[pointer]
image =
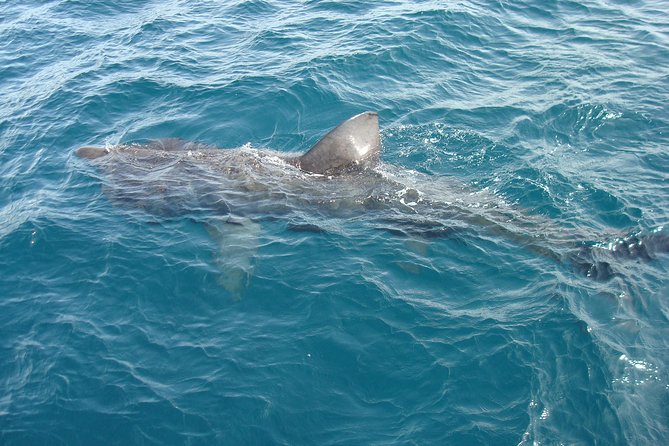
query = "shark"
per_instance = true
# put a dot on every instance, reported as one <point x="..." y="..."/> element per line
<point x="232" y="191"/>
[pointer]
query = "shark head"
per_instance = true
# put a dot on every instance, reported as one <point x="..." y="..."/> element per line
<point x="91" y="153"/>
<point x="353" y="144"/>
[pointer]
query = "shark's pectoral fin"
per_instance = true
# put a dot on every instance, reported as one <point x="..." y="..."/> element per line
<point x="237" y="240"/>
<point x="306" y="227"/>
<point x="418" y="245"/>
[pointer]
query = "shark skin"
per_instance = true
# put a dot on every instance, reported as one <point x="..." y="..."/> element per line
<point x="232" y="191"/>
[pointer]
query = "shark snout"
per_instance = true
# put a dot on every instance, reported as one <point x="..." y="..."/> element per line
<point x="90" y="152"/>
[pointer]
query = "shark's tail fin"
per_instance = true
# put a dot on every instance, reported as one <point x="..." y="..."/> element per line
<point x="594" y="261"/>
<point x="90" y="152"/>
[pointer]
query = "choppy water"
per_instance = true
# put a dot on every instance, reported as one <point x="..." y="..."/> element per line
<point x="114" y="329"/>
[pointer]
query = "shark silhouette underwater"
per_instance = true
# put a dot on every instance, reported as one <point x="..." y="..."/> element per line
<point x="232" y="191"/>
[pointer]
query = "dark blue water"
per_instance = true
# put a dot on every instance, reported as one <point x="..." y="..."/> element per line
<point x="115" y="330"/>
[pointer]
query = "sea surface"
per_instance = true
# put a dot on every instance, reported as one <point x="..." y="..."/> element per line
<point x="115" y="328"/>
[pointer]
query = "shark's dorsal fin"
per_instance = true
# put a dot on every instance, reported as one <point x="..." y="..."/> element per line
<point x="354" y="142"/>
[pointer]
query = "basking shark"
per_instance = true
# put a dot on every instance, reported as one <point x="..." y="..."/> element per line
<point x="232" y="191"/>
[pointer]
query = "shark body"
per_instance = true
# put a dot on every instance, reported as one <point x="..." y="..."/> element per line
<point x="233" y="191"/>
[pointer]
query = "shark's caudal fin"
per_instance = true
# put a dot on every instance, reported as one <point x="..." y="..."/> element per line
<point x="355" y="142"/>
<point x="597" y="262"/>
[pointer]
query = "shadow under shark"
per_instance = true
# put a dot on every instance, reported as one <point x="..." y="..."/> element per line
<point x="233" y="191"/>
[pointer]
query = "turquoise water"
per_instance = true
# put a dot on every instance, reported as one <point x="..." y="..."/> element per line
<point x="115" y="330"/>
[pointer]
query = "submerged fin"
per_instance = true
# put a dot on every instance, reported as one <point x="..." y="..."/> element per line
<point x="237" y="240"/>
<point x="354" y="142"/>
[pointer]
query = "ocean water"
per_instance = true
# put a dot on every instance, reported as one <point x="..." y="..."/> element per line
<point x="114" y="325"/>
